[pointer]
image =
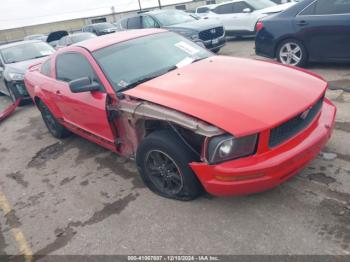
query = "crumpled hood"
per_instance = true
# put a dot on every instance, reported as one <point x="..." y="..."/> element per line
<point x="21" y="67"/>
<point x="197" y="25"/>
<point x="240" y="96"/>
<point x="275" y="9"/>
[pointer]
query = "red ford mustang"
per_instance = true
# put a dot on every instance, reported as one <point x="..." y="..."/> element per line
<point x="192" y="120"/>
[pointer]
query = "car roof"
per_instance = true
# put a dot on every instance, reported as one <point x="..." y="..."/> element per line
<point x="115" y="38"/>
<point x="19" y="43"/>
<point x="212" y="6"/>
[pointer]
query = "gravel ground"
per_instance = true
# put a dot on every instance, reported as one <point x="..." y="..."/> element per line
<point x="73" y="197"/>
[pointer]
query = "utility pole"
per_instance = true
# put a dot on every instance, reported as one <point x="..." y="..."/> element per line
<point x="140" y="5"/>
<point x="160" y="5"/>
<point x="113" y="13"/>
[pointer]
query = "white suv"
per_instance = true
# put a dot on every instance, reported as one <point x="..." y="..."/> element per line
<point x="240" y="16"/>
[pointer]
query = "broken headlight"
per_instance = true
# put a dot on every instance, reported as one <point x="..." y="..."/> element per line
<point x="227" y="147"/>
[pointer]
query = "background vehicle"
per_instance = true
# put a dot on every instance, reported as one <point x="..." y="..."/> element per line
<point x="285" y="1"/>
<point x="55" y="36"/>
<point x="240" y="16"/>
<point x="206" y="32"/>
<point x="309" y="31"/>
<point x="74" y="38"/>
<point x="158" y="97"/>
<point x="14" y="61"/>
<point x="100" y="28"/>
<point x="36" y="37"/>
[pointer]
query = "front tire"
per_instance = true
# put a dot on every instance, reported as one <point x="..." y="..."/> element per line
<point x="292" y="52"/>
<point x="52" y="124"/>
<point x="163" y="162"/>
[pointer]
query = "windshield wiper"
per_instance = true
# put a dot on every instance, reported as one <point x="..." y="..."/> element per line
<point x="40" y="56"/>
<point x="145" y="79"/>
<point x="199" y="59"/>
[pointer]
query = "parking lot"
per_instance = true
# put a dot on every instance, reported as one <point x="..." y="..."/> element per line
<point x="73" y="197"/>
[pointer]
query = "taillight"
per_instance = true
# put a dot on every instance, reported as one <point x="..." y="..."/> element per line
<point x="259" y="26"/>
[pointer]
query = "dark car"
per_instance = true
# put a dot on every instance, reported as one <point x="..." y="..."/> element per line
<point x="100" y="28"/>
<point x="207" y="32"/>
<point x="73" y="39"/>
<point x="312" y="30"/>
<point x="15" y="59"/>
<point x="54" y="37"/>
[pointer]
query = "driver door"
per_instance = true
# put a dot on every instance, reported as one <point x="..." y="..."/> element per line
<point x="244" y="20"/>
<point x="86" y="111"/>
<point x="226" y="15"/>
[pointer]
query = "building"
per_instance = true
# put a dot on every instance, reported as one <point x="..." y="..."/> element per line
<point x="73" y="25"/>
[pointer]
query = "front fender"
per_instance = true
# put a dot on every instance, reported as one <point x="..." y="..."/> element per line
<point x="38" y="94"/>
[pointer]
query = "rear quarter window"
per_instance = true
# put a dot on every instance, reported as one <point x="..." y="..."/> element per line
<point x="46" y="68"/>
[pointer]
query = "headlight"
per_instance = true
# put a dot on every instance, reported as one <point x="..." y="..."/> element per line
<point x="226" y="147"/>
<point x="16" y="76"/>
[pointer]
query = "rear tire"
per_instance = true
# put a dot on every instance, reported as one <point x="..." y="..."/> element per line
<point x="163" y="162"/>
<point x="52" y="124"/>
<point x="292" y="52"/>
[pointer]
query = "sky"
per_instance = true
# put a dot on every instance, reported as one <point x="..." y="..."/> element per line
<point x="19" y="13"/>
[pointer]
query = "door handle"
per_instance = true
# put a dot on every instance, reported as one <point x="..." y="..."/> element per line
<point x="58" y="92"/>
<point x="302" y="23"/>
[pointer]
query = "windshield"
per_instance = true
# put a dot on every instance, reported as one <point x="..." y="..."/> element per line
<point x="129" y="63"/>
<point x="173" y="18"/>
<point x="81" y="37"/>
<point x="260" y="4"/>
<point x="103" y="26"/>
<point x="25" y="52"/>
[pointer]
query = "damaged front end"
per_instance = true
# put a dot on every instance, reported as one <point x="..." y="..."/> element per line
<point x="136" y="119"/>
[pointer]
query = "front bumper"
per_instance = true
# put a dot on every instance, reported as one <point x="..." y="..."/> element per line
<point x="267" y="170"/>
<point x="214" y="44"/>
<point x="21" y="90"/>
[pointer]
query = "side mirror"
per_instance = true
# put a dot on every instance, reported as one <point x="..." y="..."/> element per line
<point x="83" y="84"/>
<point x="247" y="10"/>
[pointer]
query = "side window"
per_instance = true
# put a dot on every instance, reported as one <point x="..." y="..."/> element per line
<point x="327" y="7"/>
<point x="310" y="10"/>
<point x="224" y="9"/>
<point x="203" y="10"/>
<point x="72" y="66"/>
<point x="240" y="6"/>
<point x="149" y="22"/>
<point x="134" y="22"/>
<point x="46" y="68"/>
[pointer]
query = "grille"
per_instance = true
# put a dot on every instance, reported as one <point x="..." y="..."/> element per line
<point x="280" y="134"/>
<point x="211" y="33"/>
